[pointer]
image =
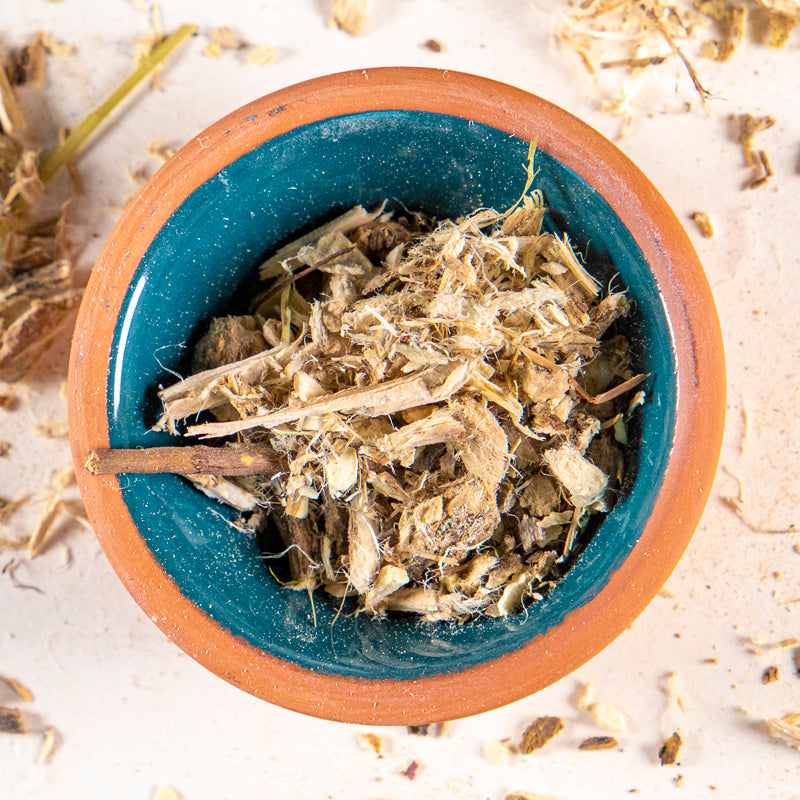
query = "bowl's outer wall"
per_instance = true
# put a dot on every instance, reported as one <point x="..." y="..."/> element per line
<point x="699" y="376"/>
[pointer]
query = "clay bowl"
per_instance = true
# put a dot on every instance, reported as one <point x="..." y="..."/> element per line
<point x="445" y="143"/>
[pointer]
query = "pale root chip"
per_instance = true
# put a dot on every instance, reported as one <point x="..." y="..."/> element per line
<point x="45" y="527"/>
<point x="48" y="745"/>
<point x="223" y="38"/>
<point x="350" y="15"/>
<point x="225" y="491"/>
<point x="608" y="717"/>
<point x="484" y="450"/>
<point x="364" y="550"/>
<point x="584" y="699"/>
<point x="260" y="55"/>
<point x="585" y="482"/>
<point x="704" y="224"/>
<point x="510" y="601"/>
<point x="529" y="796"/>
<point x="389" y="580"/>
<point x="438" y="426"/>
<point x="165" y="793"/>
<point x="306" y="387"/>
<point x="498" y="752"/>
<point x="781" y="26"/>
<point x="56" y="47"/>
<point x="785" y="729"/>
<point x="371" y="741"/>
<point x="541" y="384"/>
<point x="299" y="490"/>
<point x="415" y="600"/>
<point x="341" y="471"/>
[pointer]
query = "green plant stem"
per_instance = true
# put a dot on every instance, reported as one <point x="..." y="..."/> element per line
<point x="56" y="159"/>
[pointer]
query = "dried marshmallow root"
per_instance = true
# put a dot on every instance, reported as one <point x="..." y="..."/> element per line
<point x="350" y="15"/>
<point x="429" y="401"/>
<point x="704" y="224"/>
<point x="608" y="717"/>
<point x="785" y="729"/>
<point x="48" y="746"/>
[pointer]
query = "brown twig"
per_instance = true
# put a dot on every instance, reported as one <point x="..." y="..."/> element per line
<point x="194" y="460"/>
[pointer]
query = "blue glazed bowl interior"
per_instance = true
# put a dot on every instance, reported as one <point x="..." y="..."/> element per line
<point x="210" y="248"/>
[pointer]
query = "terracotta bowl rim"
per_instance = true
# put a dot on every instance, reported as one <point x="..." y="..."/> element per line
<point x="686" y="483"/>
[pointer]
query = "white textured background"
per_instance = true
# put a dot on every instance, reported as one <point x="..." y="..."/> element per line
<point x="134" y="713"/>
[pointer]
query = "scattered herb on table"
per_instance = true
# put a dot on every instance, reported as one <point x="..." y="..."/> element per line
<point x="539" y="733"/>
<point x="668" y="752"/>
<point x="598" y="743"/>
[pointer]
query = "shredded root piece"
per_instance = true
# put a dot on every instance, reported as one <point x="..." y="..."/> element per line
<point x="785" y="729"/>
<point x="165" y="793"/>
<point x="49" y="745"/>
<point x="350" y="15"/>
<point x="447" y="411"/>
<point x="223" y="38"/>
<point x="260" y="55"/>
<point x="498" y="752"/>
<point x="608" y="717"/>
<point x="704" y="224"/>
<point x="371" y="741"/>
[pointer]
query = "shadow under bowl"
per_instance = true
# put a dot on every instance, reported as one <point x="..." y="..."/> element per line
<point x="444" y="143"/>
